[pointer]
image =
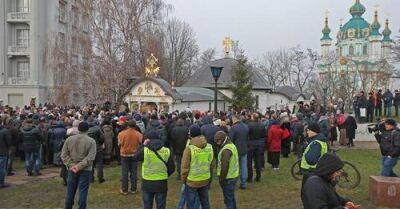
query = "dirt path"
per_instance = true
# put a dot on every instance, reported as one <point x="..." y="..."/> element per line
<point x="21" y="177"/>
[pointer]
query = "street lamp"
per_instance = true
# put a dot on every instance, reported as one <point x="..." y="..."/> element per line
<point x="216" y="73"/>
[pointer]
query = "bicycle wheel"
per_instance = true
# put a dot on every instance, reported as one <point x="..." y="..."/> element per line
<point x="350" y="177"/>
<point x="295" y="171"/>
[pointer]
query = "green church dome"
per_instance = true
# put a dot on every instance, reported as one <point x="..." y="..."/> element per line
<point x="375" y="26"/>
<point x="386" y="33"/>
<point x="326" y="31"/>
<point x="357" y="9"/>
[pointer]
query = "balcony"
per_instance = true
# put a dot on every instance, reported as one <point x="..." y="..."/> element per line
<point x="18" y="51"/>
<point x="19" y="17"/>
<point x="18" y="81"/>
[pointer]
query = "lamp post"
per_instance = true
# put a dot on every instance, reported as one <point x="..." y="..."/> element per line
<point x="216" y="73"/>
<point x="325" y="89"/>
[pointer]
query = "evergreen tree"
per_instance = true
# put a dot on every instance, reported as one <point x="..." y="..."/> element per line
<point x="242" y="86"/>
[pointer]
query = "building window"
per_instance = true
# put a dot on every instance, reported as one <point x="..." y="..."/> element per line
<point x="75" y="16"/>
<point x="85" y="23"/>
<point x="365" y="50"/>
<point x="23" y="5"/>
<point x="351" y="50"/>
<point x="62" y="11"/>
<point x="257" y="101"/>
<point x="22" y="37"/>
<point x="22" y="70"/>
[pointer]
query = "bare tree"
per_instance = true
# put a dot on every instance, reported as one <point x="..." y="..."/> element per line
<point x="180" y="51"/>
<point x="269" y="68"/>
<point x="122" y="33"/>
<point x="304" y="66"/>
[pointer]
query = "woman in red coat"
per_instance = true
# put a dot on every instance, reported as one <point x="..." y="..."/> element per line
<point x="276" y="133"/>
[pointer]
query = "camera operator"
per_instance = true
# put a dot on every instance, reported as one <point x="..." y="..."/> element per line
<point x="389" y="144"/>
<point x="377" y="129"/>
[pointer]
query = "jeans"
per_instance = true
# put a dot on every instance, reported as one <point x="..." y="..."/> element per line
<point x="128" y="169"/>
<point x="77" y="180"/>
<point x="3" y="167"/>
<point x="396" y="110"/>
<point x="10" y="160"/>
<point x="388" y="163"/>
<point x="160" y="198"/>
<point x="32" y="162"/>
<point x="228" y="189"/>
<point x="370" y="114"/>
<point x="378" y="111"/>
<point x="256" y="148"/>
<point x="388" y="111"/>
<point x="178" y="161"/>
<point x="191" y="195"/>
<point x="243" y="170"/>
<point x="183" y="200"/>
<point x="98" y="164"/>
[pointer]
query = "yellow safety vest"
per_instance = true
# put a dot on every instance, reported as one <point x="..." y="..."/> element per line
<point x="324" y="149"/>
<point x="233" y="171"/>
<point x="200" y="163"/>
<point x="153" y="169"/>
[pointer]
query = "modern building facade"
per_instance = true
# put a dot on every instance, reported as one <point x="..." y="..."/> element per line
<point x="36" y="38"/>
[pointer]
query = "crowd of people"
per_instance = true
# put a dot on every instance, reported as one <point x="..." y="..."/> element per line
<point x="232" y="145"/>
<point x="368" y="107"/>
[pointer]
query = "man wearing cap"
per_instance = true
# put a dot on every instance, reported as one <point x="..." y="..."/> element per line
<point x="317" y="148"/>
<point x="319" y="189"/>
<point x="196" y="169"/>
<point x="227" y="168"/>
<point x="390" y="147"/>
<point x="78" y="154"/>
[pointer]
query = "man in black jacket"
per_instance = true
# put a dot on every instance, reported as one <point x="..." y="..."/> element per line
<point x="390" y="147"/>
<point x="257" y="134"/>
<point x="179" y="137"/>
<point x="5" y="144"/>
<point x="32" y="139"/>
<point x="318" y="192"/>
<point x="96" y="133"/>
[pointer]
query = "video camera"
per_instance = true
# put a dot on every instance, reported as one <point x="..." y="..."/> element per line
<point x="377" y="129"/>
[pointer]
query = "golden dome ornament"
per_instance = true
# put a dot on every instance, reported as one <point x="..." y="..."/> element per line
<point x="152" y="69"/>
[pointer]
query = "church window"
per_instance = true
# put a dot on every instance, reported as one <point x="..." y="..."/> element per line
<point x="365" y="50"/>
<point x="351" y="50"/>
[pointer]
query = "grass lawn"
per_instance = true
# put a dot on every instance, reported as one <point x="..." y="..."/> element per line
<point x="276" y="189"/>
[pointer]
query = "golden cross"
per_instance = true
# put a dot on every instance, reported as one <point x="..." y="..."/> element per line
<point x="152" y="69"/>
<point x="227" y="43"/>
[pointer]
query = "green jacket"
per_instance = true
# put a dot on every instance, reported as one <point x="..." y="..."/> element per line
<point x="79" y="150"/>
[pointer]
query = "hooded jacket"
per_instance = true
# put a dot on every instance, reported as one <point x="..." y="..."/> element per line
<point x="160" y="186"/>
<point x="31" y="137"/>
<point x="96" y="133"/>
<point x="200" y="142"/>
<point x="318" y="192"/>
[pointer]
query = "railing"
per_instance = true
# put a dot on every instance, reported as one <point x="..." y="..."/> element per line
<point x="18" y="50"/>
<point x="18" y="80"/>
<point x="19" y="17"/>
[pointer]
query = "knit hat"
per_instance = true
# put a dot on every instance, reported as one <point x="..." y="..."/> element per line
<point x="327" y="165"/>
<point x="314" y="127"/>
<point x="137" y="117"/>
<point x="194" y="130"/>
<point x="83" y="127"/>
<point x="391" y="121"/>
<point x="122" y="120"/>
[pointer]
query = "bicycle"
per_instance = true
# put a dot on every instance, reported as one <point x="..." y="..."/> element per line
<point x="350" y="177"/>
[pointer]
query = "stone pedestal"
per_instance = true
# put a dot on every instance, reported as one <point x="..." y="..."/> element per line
<point x="385" y="191"/>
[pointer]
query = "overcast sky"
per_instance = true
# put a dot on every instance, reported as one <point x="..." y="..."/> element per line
<point x="262" y="25"/>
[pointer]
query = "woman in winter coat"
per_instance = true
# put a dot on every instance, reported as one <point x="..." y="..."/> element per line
<point x="333" y="130"/>
<point x="351" y="126"/>
<point x="274" y="140"/>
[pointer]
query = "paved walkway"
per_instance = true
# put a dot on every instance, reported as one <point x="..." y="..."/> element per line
<point x="21" y="177"/>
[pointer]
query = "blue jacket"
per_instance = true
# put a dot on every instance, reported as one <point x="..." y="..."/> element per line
<point x="314" y="153"/>
<point x="57" y="136"/>
<point x="239" y="134"/>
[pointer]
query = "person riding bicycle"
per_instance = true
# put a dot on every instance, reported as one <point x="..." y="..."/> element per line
<point x="317" y="148"/>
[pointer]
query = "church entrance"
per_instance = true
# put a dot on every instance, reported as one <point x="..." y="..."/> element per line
<point x="148" y="107"/>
